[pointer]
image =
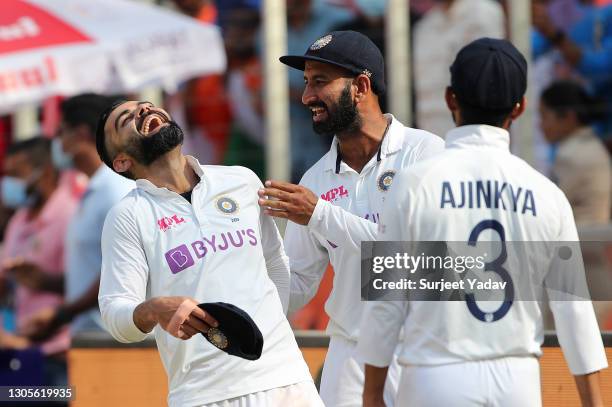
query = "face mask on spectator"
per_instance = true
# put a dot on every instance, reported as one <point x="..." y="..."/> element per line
<point x="15" y="191"/>
<point x="61" y="160"/>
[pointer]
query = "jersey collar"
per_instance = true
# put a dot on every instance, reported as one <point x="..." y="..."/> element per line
<point x="151" y="188"/>
<point x="391" y="143"/>
<point x="478" y="136"/>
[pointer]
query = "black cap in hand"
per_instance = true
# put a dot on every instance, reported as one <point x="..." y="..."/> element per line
<point x="237" y="334"/>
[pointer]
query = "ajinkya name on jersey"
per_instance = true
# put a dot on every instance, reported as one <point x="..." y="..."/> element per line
<point x="181" y="258"/>
<point x="487" y="194"/>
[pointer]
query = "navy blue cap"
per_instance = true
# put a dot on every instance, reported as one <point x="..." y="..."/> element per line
<point x="350" y="50"/>
<point x="489" y="74"/>
<point x="237" y="334"/>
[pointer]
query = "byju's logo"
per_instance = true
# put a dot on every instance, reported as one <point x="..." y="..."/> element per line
<point x="179" y="259"/>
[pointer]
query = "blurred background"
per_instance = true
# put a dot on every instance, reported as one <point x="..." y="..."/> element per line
<point x="214" y="66"/>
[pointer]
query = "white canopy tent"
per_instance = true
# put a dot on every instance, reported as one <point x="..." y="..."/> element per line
<point x="66" y="47"/>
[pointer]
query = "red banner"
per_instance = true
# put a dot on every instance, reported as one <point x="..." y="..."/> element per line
<point x="24" y="26"/>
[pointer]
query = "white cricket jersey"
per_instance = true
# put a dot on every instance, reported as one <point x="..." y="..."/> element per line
<point x="219" y="248"/>
<point x="346" y="215"/>
<point x="432" y="202"/>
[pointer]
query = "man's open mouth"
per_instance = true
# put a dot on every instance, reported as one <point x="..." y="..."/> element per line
<point x="318" y="112"/>
<point x="150" y="123"/>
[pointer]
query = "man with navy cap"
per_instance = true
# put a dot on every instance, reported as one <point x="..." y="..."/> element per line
<point x="469" y="352"/>
<point x="339" y="199"/>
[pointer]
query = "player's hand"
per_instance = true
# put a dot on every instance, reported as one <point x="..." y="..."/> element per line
<point x="541" y="19"/>
<point x="25" y="273"/>
<point x="288" y="201"/>
<point x="180" y="316"/>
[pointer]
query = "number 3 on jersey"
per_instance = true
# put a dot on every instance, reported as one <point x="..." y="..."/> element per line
<point x="495" y="266"/>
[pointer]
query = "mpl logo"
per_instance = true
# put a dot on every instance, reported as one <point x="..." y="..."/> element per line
<point x="179" y="259"/>
<point x="166" y="223"/>
<point x="335" y="193"/>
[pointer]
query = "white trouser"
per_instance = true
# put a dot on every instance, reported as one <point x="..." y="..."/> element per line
<point x="342" y="378"/>
<point x="503" y="382"/>
<point x="303" y="394"/>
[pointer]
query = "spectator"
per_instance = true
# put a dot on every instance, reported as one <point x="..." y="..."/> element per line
<point x="582" y="165"/>
<point x="226" y="8"/>
<point x="207" y="107"/>
<point x="370" y="22"/>
<point x="564" y="13"/>
<point x="33" y="251"/>
<point x="307" y="21"/>
<point x="244" y="85"/>
<point x="75" y="147"/>
<point x="370" y="19"/>
<point x="586" y="46"/>
<point x="202" y="10"/>
<point x="438" y="36"/>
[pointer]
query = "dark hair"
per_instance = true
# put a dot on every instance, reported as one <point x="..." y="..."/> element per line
<point x="101" y="136"/>
<point x="84" y="109"/>
<point x="567" y="96"/>
<point x="477" y="115"/>
<point x="37" y="149"/>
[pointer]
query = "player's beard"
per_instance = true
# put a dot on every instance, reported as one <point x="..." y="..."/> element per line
<point x="342" y="116"/>
<point x="146" y="150"/>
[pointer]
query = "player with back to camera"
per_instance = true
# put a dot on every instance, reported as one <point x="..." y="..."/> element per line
<point x="189" y="234"/>
<point x="458" y="353"/>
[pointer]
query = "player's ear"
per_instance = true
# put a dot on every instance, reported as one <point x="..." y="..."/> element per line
<point x="363" y="86"/>
<point x="451" y="99"/>
<point x="519" y="108"/>
<point x="122" y="163"/>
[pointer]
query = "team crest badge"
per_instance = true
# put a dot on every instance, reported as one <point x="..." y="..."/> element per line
<point x="227" y="205"/>
<point x="217" y="338"/>
<point x="321" y="42"/>
<point x="385" y="180"/>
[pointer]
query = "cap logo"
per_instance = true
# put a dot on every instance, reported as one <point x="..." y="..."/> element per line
<point x="321" y="42"/>
<point x="367" y="73"/>
<point x="217" y="338"/>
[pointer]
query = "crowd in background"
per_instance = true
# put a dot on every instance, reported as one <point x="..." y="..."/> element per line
<point x="56" y="191"/>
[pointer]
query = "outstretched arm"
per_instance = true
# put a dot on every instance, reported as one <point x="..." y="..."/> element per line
<point x="300" y="205"/>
